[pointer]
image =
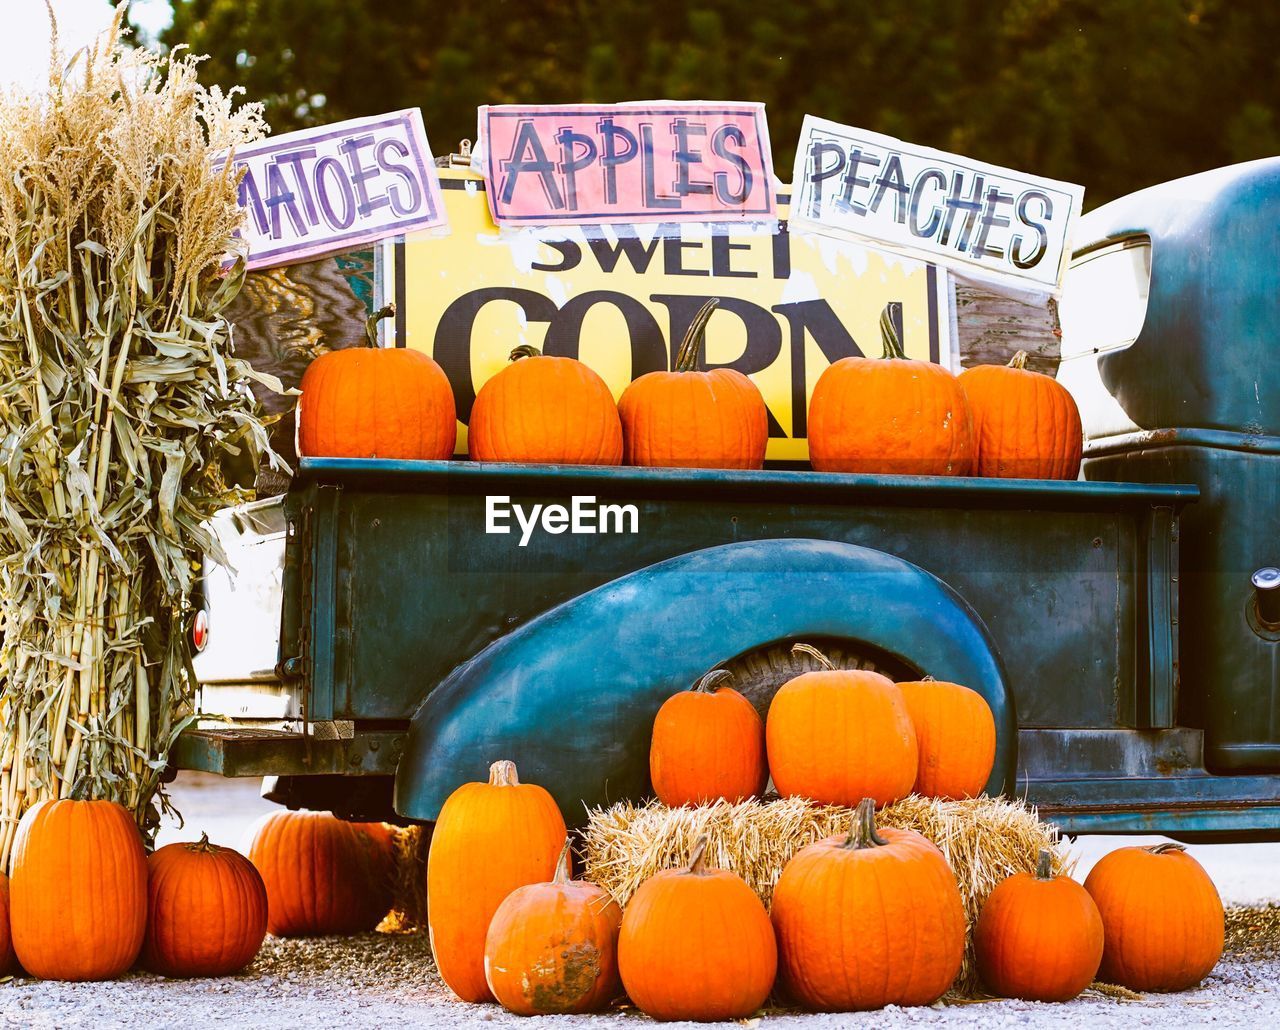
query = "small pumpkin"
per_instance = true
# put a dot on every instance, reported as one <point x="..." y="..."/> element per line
<point x="552" y="947"/>
<point x="323" y="875"/>
<point x="868" y="920"/>
<point x="206" y="910"/>
<point x="1025" y="424"/>
<point x="696" y="944"/>
<point x="956" y="735"/>
<point x="376" y="402"/>
<point x="1162" y="919"/>
<point x="708" y="743"/>
<point x="78" y="894"/>
<point x="890" y="416"/>
<point x="690" y="419"/>
<point x="545" y="410"/>
<point x="838" y="735"/>
<point x="1038" y="937"/>
<point x="8" y="957"/>
<point x="519" y="832"/>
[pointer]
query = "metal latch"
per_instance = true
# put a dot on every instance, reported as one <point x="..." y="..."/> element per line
<point x="460" y="159"/>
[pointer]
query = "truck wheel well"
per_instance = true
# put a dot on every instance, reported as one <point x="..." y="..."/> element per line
<point x="758" y="674"/>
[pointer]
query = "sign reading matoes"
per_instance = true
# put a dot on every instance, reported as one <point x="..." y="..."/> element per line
<point x="625" y="163"/>
<point x="332" y="188"/>
<point x="989" y="221"/>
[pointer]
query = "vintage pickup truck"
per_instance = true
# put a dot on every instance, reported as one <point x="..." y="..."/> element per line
<point x="383" y="641"/>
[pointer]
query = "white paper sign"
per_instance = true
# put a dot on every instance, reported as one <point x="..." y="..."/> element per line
<point x="332" y="188"/>
<point x="983" y="220"/>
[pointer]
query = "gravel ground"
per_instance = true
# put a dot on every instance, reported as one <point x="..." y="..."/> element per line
<point x="376" y="980"/>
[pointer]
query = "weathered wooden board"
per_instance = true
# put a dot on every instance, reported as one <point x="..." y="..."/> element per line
<point x="992" y="328"/>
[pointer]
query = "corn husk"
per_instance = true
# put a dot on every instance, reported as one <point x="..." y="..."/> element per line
<point x="120" y="394"/>
<point x="984" y="840"/>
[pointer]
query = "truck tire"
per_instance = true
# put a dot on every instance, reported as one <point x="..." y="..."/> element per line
<point x="759" y="674"/>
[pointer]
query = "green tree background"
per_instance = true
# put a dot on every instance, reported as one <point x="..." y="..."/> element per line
<point x="1112" y="94"/>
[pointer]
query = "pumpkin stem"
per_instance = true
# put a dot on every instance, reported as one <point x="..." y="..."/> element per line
<point x="202" y="845"/>
<point x="697" y="858"/>
<point x="371" y="323"/>
<point x="1160" y="849"/>
<point x="525" y="350"/>
<point x="1044" y="865"/>
<point x="889" y="336"/>
<point x="1019" y="360"/>
<point x="503" y="774"/>
<point x="708" y="681"/>
<point x="695" y="336"/>
<point x="862" y="831"/>
<point x="815" y="654"/>
<point x="562" y="865"/>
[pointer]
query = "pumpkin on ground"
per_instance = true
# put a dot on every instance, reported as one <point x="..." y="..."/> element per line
<point x="553" y="947"/>
<point x="839" y="735"/>
<point x="1025" y="424"/>
<point x="708" y="743"/>
<point x="545" y="410"/>
<point x="868" y="920"/>
<point x="891" y="416"/>
<point x="376" y="402"/>
<point x="8" y="957"/>
<point x="956" y="736"/>
<point x="323" y="875"/>
<point x="1162" y="919"/>
<point x="206" y="910"/>
<point x="78" y="894"/>
<point x="1038" y="937"/>
<point x="690" y="419"/>
<point x="696" y="944"/>
<point x="490" y="838"/>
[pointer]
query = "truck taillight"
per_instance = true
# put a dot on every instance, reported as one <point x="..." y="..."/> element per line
<point x="200" y="630"/>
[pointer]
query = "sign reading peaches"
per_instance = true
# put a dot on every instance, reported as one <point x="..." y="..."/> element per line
<point x="664" y="161"/>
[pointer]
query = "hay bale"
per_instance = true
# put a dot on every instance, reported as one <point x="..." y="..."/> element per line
<point x="408" y="913"/>
<point x="983" y="839"/>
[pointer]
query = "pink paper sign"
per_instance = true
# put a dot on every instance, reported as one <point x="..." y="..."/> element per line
<point x="336" y="187"/>
<point x="653" y="162"/>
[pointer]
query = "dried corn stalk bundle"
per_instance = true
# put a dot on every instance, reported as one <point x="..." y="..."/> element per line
<point x="119" y="396"/>
<point x="983" y="839"/>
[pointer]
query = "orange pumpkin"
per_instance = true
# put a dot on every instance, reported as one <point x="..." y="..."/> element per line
<point x="519" y="831"/>
<point x="696" y="944"/>
<point x="891" y="416"/>
<point x="545" y="410"/>
<point x="323" y="875"/>
<point x="837" y="736"/>
<point x="78" y="894"/>
<point x="206" y="910"/>
<point x="8" y="957"/>
<point x="1038" y="937"/>
<point x="1025" y="425"/>
<point x="376" y="402"/>
<point x="691" y="419"/>
<point x="553" y="947"/>
<point x="868" y="920"/>
<point x="956" y="735"/>
<point x="1162" y="919"/>
<point x="708" y="743"/>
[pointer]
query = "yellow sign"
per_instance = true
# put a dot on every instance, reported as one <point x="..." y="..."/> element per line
<point x="620" y="298"/>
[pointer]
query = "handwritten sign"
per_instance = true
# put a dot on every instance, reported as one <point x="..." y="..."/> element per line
<point x="980" y="218"/>
<point x="319" y="191"/>
<point x="658" y="162"/>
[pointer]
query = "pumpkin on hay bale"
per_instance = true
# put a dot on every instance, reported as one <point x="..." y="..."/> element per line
<point x="983" y="839"/>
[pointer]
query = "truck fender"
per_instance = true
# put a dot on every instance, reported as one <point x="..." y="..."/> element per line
<point x="570" y="696"/>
